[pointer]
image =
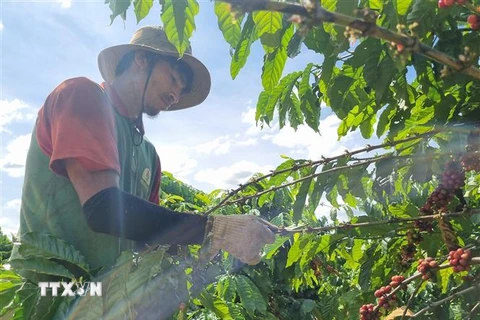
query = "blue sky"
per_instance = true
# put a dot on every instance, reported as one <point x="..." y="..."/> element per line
<point x="214" y="145"/>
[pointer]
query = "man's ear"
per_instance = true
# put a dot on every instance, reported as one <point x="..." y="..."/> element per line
<point x="140" y="59"/>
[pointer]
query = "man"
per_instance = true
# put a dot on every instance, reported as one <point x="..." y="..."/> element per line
<point x="92" y="178"/>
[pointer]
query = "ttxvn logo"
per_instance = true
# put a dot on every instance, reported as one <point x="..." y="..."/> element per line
<point x="70" y="289"/>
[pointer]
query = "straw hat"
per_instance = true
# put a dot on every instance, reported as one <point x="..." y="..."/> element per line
<point x="153" y="38"/>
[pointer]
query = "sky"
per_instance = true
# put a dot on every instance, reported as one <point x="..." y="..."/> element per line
<point x="214" y="145"/>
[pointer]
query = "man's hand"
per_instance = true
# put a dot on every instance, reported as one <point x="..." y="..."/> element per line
<point x="243" y="236"/>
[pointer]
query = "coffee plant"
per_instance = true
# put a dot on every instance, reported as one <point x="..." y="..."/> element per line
<point x="405" y="71"/>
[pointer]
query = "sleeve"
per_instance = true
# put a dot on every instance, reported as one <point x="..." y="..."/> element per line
<point x="155" y="194"/>
<point x="77" y="121"/>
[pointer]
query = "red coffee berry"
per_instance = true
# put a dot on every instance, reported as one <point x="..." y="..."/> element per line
<point x="472" y="19"/>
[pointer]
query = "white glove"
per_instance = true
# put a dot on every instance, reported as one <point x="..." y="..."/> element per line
<point x="243" y="236"/>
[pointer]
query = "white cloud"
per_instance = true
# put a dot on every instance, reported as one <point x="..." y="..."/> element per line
<point x="9" y="226"/>
<point x="310" y="144"/>
<point x="248" y="117"/>
<point x="220" y="145"/>
<point x="13" y="204"/>
<point x="65" y="3"/>
<point x="1" y="26"/>
<point x="248" y="142"/>
<point x="13" y="162"/>
<point x="9" y="217"/>
<point x="177" y="160"/>
<point x="230" y="176"/>
<point x="223" y="144"/>
<point x="304" y="141"/>
<point x="14" y="111"/>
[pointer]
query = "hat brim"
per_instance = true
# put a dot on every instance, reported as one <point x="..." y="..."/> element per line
<point x="109" y="58"/>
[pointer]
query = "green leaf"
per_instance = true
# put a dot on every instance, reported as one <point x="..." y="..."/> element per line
<point x="29" y="296"/>
<point x="385" y="72"/>
<point x="272" y="249"/>
<point x="46" y="246"/>
<point x="41" y="265"/>
<point x="310" y="107"/>
<point x="366" y="127"/>
<point x="242" y="50"/>
<point x="297" y="249"/>
<point x="250" y="296"/>
<point x="273" y="67"/>
<point x="385" y="167"/>
<point x="375" y="4"/>
<point x="267" y="22"/>
<point x="116" y="281"/>
<point x="443" y="276"/>
<point x="300" y="199"/>
<point x="6" y="275"/>
<point x="475" y="219"/>
<point x="295" y="114"/>
<point x="403" y="6"/>
<point x="274" y="62"/>
<point x="317" y="39"/>
<point x="236" y="311"/>
<point x="316" y="194"/>
<point x="220" y="308"/>
<point x="295" y="45"/>
<point x="268" y="25"/>
<point x="142" y="8"/>
<point x="230" y="27"/>
<point x="278" y="179"/>
<point x="227" y="287"/>
<point x="366" y="267"/>
<point x="384" y="120"/>
<point x="423" y="12"/>
<point x="118" y="8"/>
<point x="270" y="100"/>
<point x="148" y="266"/>
<point x="305" y="82"/>
<point x="178" y="17"/>
<point x="46" y="308"/>
<point x="307" y="306"/>
<point x="403" y="211"/>
<point x="371" y="64"/>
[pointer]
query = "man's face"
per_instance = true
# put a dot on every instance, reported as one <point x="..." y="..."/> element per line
<point x="164" y="88"/>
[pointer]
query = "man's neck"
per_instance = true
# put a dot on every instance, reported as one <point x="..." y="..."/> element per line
<point x="125" y="88"/>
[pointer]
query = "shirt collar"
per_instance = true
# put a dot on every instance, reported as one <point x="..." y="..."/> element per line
<point x="120" y="107"/>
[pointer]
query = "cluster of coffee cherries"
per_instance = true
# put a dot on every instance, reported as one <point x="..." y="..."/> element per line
<point x="414" y="237"/>
<point x="384" y="301"/>
<point x="471" y="159"/>
<point x="425" y="267"/>
<point x="448" y="3"/>
<point x="474" y="21"/>
<point x="453" y="177"/>
<point x="460" y="259"/>
<point x="367" y="312"/>
<point x="407" y="253"/>
<point x="315" y="268"/>
<point x="438" y="200"/>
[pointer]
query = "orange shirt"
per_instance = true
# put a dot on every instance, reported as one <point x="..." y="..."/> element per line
<point x="77" y="121"/>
